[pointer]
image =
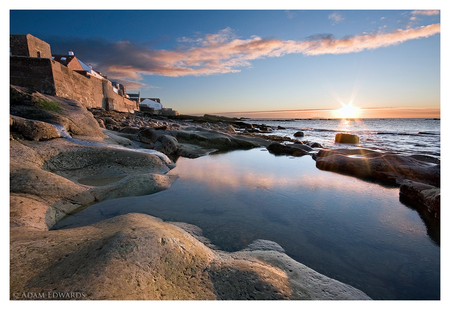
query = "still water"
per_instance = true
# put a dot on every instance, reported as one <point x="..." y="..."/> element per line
<point x="353" y="231"/>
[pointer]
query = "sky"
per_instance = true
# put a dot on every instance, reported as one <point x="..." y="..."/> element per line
<point x="258" y="63"/>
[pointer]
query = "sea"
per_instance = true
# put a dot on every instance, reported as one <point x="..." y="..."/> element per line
<point x="395" y="135"/>
<point x="351" y="230"/>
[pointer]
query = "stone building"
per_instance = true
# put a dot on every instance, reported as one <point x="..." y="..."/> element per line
<point x="29" y="46"/>
<point x="32" y="66"/>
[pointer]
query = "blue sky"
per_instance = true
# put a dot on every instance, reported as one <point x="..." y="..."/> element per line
<point x="256" y="60"/>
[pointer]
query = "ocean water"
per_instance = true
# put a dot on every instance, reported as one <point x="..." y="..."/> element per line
<point x="397" y="135"/>
<point x="354" y="231"/>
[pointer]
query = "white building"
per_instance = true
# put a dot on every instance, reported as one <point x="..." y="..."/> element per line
<point x="151" y="104"/>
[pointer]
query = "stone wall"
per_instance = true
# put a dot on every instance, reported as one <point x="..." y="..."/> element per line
<point x="34" y="73"/>
<point x="116" y="102"/>
<point x="30" y="46"/>
<point x="70" y="84"/>
<point x="50" y="77"/>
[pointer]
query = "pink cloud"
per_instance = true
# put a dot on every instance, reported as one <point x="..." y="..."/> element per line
<point x="224" y="53"/>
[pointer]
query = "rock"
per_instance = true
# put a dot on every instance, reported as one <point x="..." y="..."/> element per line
<point x="281" y="128"/>
<point x="56" y="110"/>
<point x="230" y="129"/>
<point x="299" y="134"/>
<point x="85" y="162"/>
<point x="167" y="144"/>
<point x="48" y="179"/>
<point x="33" y="129"/>
<point x="129" y="130"/>
<point x="316" y="145"/>
<point x="101" y="123"/>
<point x="148" y="135"/>
<point x="137" y="256"/>
<point x="346" y="138"/>
<point x="290" y="149"/>
<point x="422" y="195"/>
<point x="264" y="245"/>
<point x="110" y="121"/>
<point x="388" y="169"/>
<point x="192" y="151"/>
<point x="212" y="139"/>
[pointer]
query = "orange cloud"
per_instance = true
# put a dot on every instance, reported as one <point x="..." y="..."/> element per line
<point x="224" y="52"/>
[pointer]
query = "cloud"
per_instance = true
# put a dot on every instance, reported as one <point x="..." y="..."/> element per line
<point x="426" y="12"/>
<point x="290" y="14"/>
<point x="336" y="17"/>
<point x="219" y="53"/>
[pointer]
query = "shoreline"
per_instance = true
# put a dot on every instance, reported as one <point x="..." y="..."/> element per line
<point x="58" y="164"/>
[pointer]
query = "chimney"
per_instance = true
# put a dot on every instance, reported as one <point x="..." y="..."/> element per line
<point x="71" y="53"/>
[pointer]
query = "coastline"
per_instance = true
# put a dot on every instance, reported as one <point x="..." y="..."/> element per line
<point x="37" y="205"/>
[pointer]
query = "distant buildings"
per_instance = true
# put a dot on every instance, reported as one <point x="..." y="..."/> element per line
<point x="32" y="65"/>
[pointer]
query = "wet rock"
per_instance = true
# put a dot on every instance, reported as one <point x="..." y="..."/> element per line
<point x="288" y="149"/>
<point x="33" y="129"/>
<point x="346" y="138"/>
<point x="316" y="145"/>
<point x="422" y="195"/>
<point x="299" y="134"/>
<point x="265" y="245"/>
<point x="193" y="151"/>
<point x="380" y="167"/>
<point x="212" y="139"/>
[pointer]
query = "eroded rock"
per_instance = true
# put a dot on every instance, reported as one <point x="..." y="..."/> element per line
<point x="380" y="167"/>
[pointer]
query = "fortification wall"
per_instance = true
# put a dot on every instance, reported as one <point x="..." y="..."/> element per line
<point x="28" y="45"/>
<point x="51" y="77"/>
<point x="69" y="84"/>
<point x="116" y="102"/>
<point x="34" y="73"/>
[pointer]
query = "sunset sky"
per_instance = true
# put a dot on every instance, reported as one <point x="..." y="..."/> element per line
<point x="272" y="63"/>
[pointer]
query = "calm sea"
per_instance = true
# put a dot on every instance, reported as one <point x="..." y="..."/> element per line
<point x="354" y="231"/>
<point x="398" y="135"/>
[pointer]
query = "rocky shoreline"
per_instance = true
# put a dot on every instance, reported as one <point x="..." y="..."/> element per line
<point x="107" y="155"/>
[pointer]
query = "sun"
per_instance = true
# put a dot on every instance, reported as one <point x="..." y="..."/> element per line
<point x="348" y="110"/>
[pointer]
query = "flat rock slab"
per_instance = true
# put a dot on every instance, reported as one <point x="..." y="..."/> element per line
<point x="136" y="256"/>
<point x="388" y="169"/>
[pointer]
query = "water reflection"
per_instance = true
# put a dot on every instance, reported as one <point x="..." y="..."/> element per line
<point x="353" y="231"/>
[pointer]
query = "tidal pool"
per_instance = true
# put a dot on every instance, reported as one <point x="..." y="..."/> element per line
<point x="350" y="230"/>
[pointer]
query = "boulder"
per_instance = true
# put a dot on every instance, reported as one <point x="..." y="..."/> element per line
<point x="316" y="145"/>
<point x="33" y="129"/>
<point x="129" y="130"/>
<point x="212" y="139"/>
<point x="422" y="195"/>
<point x="299" y="134"/>
<point x="52" y="179"/>
<point x="167" y="144"/>
<point x="288" y="149"/>
<point x="385" y="168"/>
<point x="346" y="138"/>
<point x="137" y="256"/>
<point x="55" y="110"/>
<point x="148" y="135"/>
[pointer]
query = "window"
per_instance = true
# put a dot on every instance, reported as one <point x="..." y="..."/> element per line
<point x="38" y="54"/>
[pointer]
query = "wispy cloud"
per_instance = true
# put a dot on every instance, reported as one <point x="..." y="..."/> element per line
<point x="290" y="14"/>
<point x="223" y="52"/>
<point x="425" y="12"/>
<point x="336" y="17"/>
